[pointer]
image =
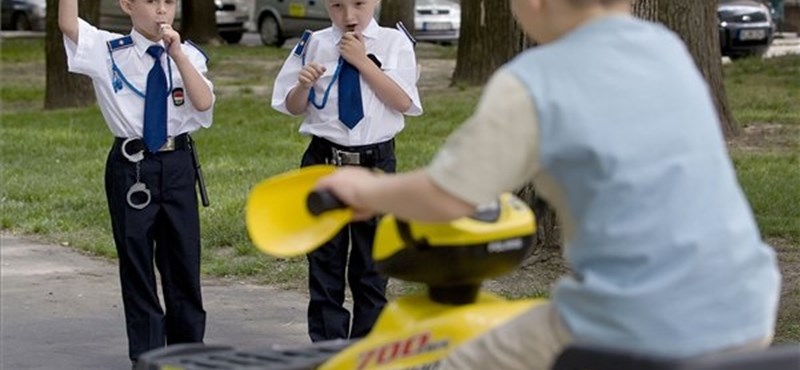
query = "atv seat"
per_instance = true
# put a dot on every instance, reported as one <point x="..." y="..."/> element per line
<point x="582" y="357"/>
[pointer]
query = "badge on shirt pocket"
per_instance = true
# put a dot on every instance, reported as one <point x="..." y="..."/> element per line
<point x="177" y="96"/>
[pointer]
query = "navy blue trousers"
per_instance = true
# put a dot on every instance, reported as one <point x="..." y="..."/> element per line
<point x="167" y="231"/>
<point x="348" y="253"/>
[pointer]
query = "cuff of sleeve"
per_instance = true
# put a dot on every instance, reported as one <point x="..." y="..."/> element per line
<point x="279" y="102"/>
<point x="401" y="78"/>
<point x="79" y="55"/>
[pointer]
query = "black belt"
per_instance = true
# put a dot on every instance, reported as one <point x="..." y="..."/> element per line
<point x="135" y="146"/>
<point x="362" y="155"/>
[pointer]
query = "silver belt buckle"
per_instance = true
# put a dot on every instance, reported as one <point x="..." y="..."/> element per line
<point x="344" y="158"/>
<point x="168" y="146"/>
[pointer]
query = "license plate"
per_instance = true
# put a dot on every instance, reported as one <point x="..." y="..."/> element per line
<point x="436" y="26"/>
<point x="752" y="35"/>
<point x="297" y="10"/>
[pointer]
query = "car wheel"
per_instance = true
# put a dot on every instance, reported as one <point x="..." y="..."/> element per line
<point x="21" y="22"/>
<point x="270" y="31"/>
<point x="231" y="37"/>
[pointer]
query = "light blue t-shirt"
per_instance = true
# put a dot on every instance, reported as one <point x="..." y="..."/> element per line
<point x="666" y="256"/>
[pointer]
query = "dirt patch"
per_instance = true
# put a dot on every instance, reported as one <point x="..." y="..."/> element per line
<point x="234" y="77"/>
<point x="766" y="136"/>
<point x="435" y="73"/>
<point x="788" y="330"/>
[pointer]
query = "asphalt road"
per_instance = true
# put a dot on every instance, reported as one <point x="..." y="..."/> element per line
<point x="60" y="309"/>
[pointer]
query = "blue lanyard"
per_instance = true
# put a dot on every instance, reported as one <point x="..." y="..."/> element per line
<point x="117" y="84"/>
<point x="312" y="96"/>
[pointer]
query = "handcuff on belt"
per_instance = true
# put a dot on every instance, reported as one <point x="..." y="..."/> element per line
<point x="138" y="186"/>
<point x="344" y="158"/>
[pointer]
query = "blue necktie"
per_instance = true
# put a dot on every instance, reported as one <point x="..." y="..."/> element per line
<point x="351" y="110"/>
<point x="155" y="103"/>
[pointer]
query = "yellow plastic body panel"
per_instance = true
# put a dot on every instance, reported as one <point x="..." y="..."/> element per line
<point x="516" y="219"/>
<point x="413" y="332"/>
<point x="278" y="219"/>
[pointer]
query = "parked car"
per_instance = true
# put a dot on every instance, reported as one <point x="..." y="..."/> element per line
<point x="230" y="15"/>
<point x="746" y="27"/>
<point x="278" y="20"/>
<point x="437" y="20"/>
<point x="23" y="15"/>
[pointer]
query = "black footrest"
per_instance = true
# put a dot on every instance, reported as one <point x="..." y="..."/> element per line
<point x="208" y="357"/>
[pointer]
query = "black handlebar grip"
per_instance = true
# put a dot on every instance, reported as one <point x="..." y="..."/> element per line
<point x="319" y="201"/>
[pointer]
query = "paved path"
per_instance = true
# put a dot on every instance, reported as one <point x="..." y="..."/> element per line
<point x="60" y="309"/>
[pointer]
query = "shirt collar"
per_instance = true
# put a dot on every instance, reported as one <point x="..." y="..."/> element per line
<point x="141" y="43"/>
<point x="370" y="32"/>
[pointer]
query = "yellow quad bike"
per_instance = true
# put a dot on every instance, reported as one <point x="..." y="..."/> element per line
<point x="286" y="217"/>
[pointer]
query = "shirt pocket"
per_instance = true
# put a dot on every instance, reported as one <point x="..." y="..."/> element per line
<point x="177" y="97"/>
<point x="381" y="60"/>
<point x="128" y="86"/>
<point x="328" y="76"/>
<point x="325" y="82"/>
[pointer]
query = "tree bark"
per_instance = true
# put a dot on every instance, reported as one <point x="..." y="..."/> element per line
<point x="62" y="88"/>
<point x="548" y="239"/>
<point x="489" y="38"/>
<point x="699" y="32"/>
<point x="393" y="11"/>
<point x="199" y="22"/>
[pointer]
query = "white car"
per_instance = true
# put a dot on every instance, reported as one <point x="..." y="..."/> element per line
<point x="278" y="20"/>
<point x="230" y="14"/>
<point x="437" y="20"/>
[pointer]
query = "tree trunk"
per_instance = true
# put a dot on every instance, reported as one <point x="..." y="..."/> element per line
<point x="548" y="233"/>
<point x="700" y="34"/>
<point x="489" y="38"/>
<point x="199" y="22"/>
<point x="64" y="89"/>
<point x="393" y="11"/>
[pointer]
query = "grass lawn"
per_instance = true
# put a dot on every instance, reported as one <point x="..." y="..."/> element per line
<point x="52" y="161"/>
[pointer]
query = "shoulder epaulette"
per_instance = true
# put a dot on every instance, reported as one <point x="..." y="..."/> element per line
<point x="192" y="44"/>
<point x="402" y="27"/>
<point x="300" y="49"/>
<point x="120" y="43"/>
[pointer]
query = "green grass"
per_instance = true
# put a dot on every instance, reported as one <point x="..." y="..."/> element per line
<point x="21" y="50"/>
<point x="772" y="184"/>
<point x="765" y="91"/>
<point x="765" y="98"/>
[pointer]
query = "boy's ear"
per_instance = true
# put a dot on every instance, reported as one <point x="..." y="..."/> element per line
<point x="125" y="5"/>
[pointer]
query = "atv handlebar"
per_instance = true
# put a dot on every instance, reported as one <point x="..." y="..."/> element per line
<point x="320" y="201"/>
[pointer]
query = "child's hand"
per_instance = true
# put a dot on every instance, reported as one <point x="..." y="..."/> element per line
<point x="310" y="74"/>
<point x="352" y="48"/>
<point x="172" y="39"/>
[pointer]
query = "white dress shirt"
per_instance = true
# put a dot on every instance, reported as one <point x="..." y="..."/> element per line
<point x="123" y="110"/>
<point x="381" y="123"/>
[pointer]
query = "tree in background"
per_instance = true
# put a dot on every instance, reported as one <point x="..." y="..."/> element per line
<point x="696" y="23"/>
<point x="64" y="89"/>
<point x="198" y="21"/>
<point x="489" y="38"/>
<point x="393" y="11"/>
